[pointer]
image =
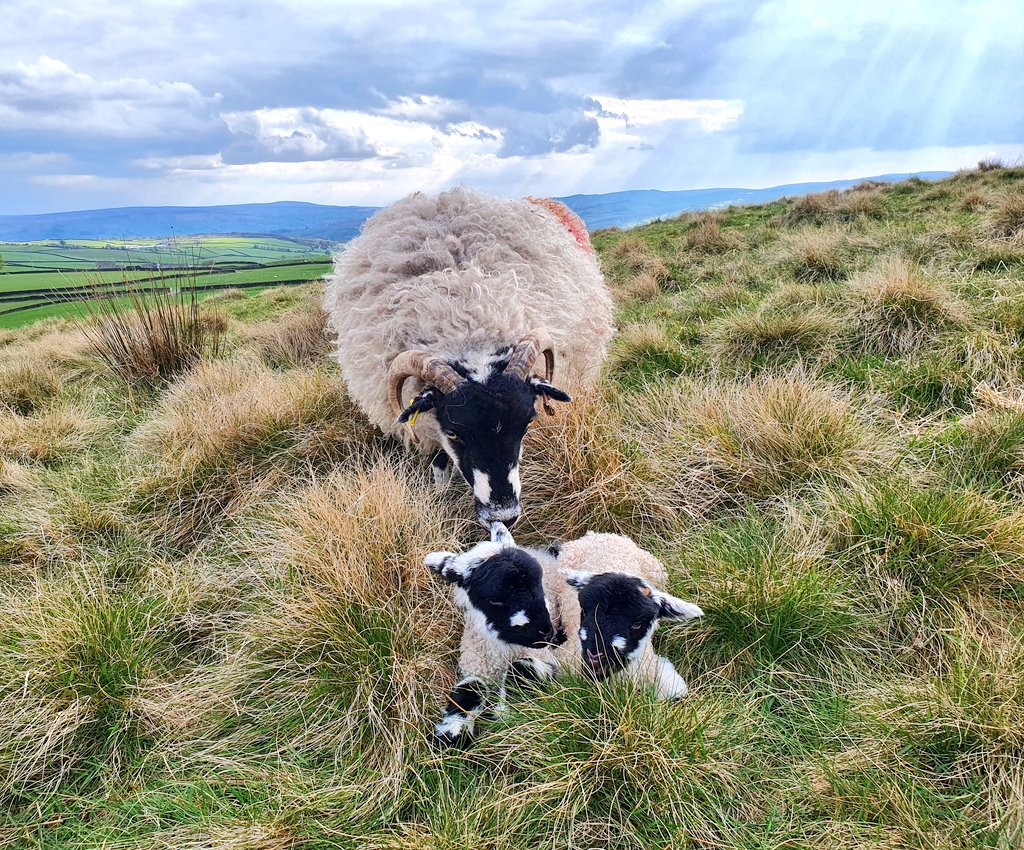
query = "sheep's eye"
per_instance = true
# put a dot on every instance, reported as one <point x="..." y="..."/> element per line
<point x="496" y="604"/>
<point x="639" y="624"/>
<point x="451" y="435"/>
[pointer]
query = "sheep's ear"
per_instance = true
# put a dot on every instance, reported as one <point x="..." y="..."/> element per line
<point x="575" y="578"/>
<point x="426" y="400"/>
<point x="447" y="565"/>
<point x="543" y="388"/>
<point x="674" y="608"/>
<point x="501" y="535"/>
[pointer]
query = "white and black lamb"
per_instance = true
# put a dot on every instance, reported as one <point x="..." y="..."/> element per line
<point x="457" y="296"/>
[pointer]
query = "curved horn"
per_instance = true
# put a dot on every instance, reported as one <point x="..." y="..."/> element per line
<point x="423" y="365"/>
<point x="525" y="354"/>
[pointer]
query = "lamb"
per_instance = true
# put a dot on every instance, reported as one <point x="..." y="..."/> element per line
<point x="612" y="606"/>
<point x="457" y="296"/>
<point x="610" y="599"/>
<point x="502" y="591"/>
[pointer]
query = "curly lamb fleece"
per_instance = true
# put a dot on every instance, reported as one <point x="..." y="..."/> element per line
<point x="607" y="553"/>
<point x="462" y="274"/>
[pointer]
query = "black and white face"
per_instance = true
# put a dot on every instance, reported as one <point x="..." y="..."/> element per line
<point x="482" y="425"/>
<point x="618" y="614"/>
<point x="501" y="590"/>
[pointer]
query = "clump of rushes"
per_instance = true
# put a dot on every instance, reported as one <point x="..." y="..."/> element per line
<point x="227" y="433"/>
<point x="298" y="338"/>
<point x="1008" y="219"/>
<point x="771" y="336"/>
<point x="357" y="640"/>
<point x="760" y="439"/>
<point x="147" y="337"/>
<point x="895" y="310"/>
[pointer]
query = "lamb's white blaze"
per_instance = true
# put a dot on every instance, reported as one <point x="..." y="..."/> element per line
<point x="513" y="480"/>
<point x="619" y="642"/>
<point x="583" y="634"/>
<point x="482" y="486"/>
<point x="519" y="619"/>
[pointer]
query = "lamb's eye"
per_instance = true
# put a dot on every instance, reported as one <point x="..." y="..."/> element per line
<point x="639" y="624"/>
<point x="451" y="435"/>
<point x="494" y="603"/>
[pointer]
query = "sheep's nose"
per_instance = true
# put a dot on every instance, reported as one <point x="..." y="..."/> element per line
<point x="594" y="658"/>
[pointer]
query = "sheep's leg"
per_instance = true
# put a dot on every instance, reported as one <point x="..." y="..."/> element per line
<point x="465" y="703"/>
<point x="441" y="468"/>
<point x="525" y="673"/>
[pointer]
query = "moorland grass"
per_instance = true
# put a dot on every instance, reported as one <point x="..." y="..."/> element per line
<point x="216" y="631"/>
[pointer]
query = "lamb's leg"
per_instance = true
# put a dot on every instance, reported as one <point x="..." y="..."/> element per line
<point x="441" y="468"/>
<point x="668" y="684"/>
<point x="465" y="703"/>
<point x="527" y="672"/>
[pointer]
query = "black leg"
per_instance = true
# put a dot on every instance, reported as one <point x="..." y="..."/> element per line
<point x="465" y="703"/>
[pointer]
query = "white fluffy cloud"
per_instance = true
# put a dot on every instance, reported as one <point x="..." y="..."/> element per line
<point x="49" y="95"/>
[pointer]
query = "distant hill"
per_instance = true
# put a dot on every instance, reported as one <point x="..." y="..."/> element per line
<point x="317" y="221"/>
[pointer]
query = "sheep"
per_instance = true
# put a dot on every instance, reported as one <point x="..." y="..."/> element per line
<point x="601" y="587"/>
<point x="457" y="296"/>
<point x="610" y="599"/>
<point x="501" y="590"/>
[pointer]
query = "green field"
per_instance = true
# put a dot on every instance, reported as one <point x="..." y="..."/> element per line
<point x="207" y="261"/>
<point x="217" y="631"/>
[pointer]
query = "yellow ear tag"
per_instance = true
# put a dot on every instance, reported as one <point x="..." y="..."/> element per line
<point x="412" y="420"/>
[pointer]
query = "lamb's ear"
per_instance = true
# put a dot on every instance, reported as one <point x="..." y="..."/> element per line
<point x="447" y="565"/>
<point x="426" y="400"/>
<point x="575" y="578"/>
<point x="674" y="608"/>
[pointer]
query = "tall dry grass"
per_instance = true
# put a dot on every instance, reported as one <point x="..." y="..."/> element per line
<point x="150" y="336"/>
<point x="228" y="433"/>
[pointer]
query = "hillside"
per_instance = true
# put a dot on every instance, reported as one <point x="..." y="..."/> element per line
<point x="216" y="631"/>
<point x="339" y="224"/>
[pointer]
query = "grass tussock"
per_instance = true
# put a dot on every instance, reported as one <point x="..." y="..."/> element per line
<point x="585" y="462"/>
<point x="354" y="647"/>
<point x="227" y="433"/>
<point x="896" y="310"/>
<point x="26" y="386"/>
<point x="835" y="206"/>
<point x="153" y="336"/>
<point x="816" y="255"/>
<point x="296" y="339"/>
<point x="771" y="336"/>
<point x="708" y="237"/>
<point x="633" y="269"/>
<point x="50" y="436"/>
<point x="80" y="659"/>
<point x="763" y="438"/>
<point x="1008" y="218"/>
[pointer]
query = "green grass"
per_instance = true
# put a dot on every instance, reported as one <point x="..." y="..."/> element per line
<point x="216" y="630"/>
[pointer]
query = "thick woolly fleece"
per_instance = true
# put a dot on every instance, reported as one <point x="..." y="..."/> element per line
<point x="462" y="274"/>
<point x="607" y="553"/>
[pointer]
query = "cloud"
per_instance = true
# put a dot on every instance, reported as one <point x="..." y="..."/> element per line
<point x="295" y="135"/>
<point x="49" y="95"/>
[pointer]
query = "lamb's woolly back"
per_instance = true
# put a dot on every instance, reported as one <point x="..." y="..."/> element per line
<point x="458" y="274"/>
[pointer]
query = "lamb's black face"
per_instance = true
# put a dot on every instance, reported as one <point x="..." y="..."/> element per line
<point x="618" y="613"/>
<point x="483" y="422"/>
<point x="503" y="589"/>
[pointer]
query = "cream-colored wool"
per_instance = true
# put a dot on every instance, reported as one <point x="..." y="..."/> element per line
<point x="594" y="553"/>
<point x="460" y="275"/>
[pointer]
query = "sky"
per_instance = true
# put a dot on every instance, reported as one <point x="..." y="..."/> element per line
<point x="158" y="102"/>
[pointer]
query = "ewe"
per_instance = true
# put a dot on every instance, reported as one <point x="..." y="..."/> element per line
<point x="458" y="296"/>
